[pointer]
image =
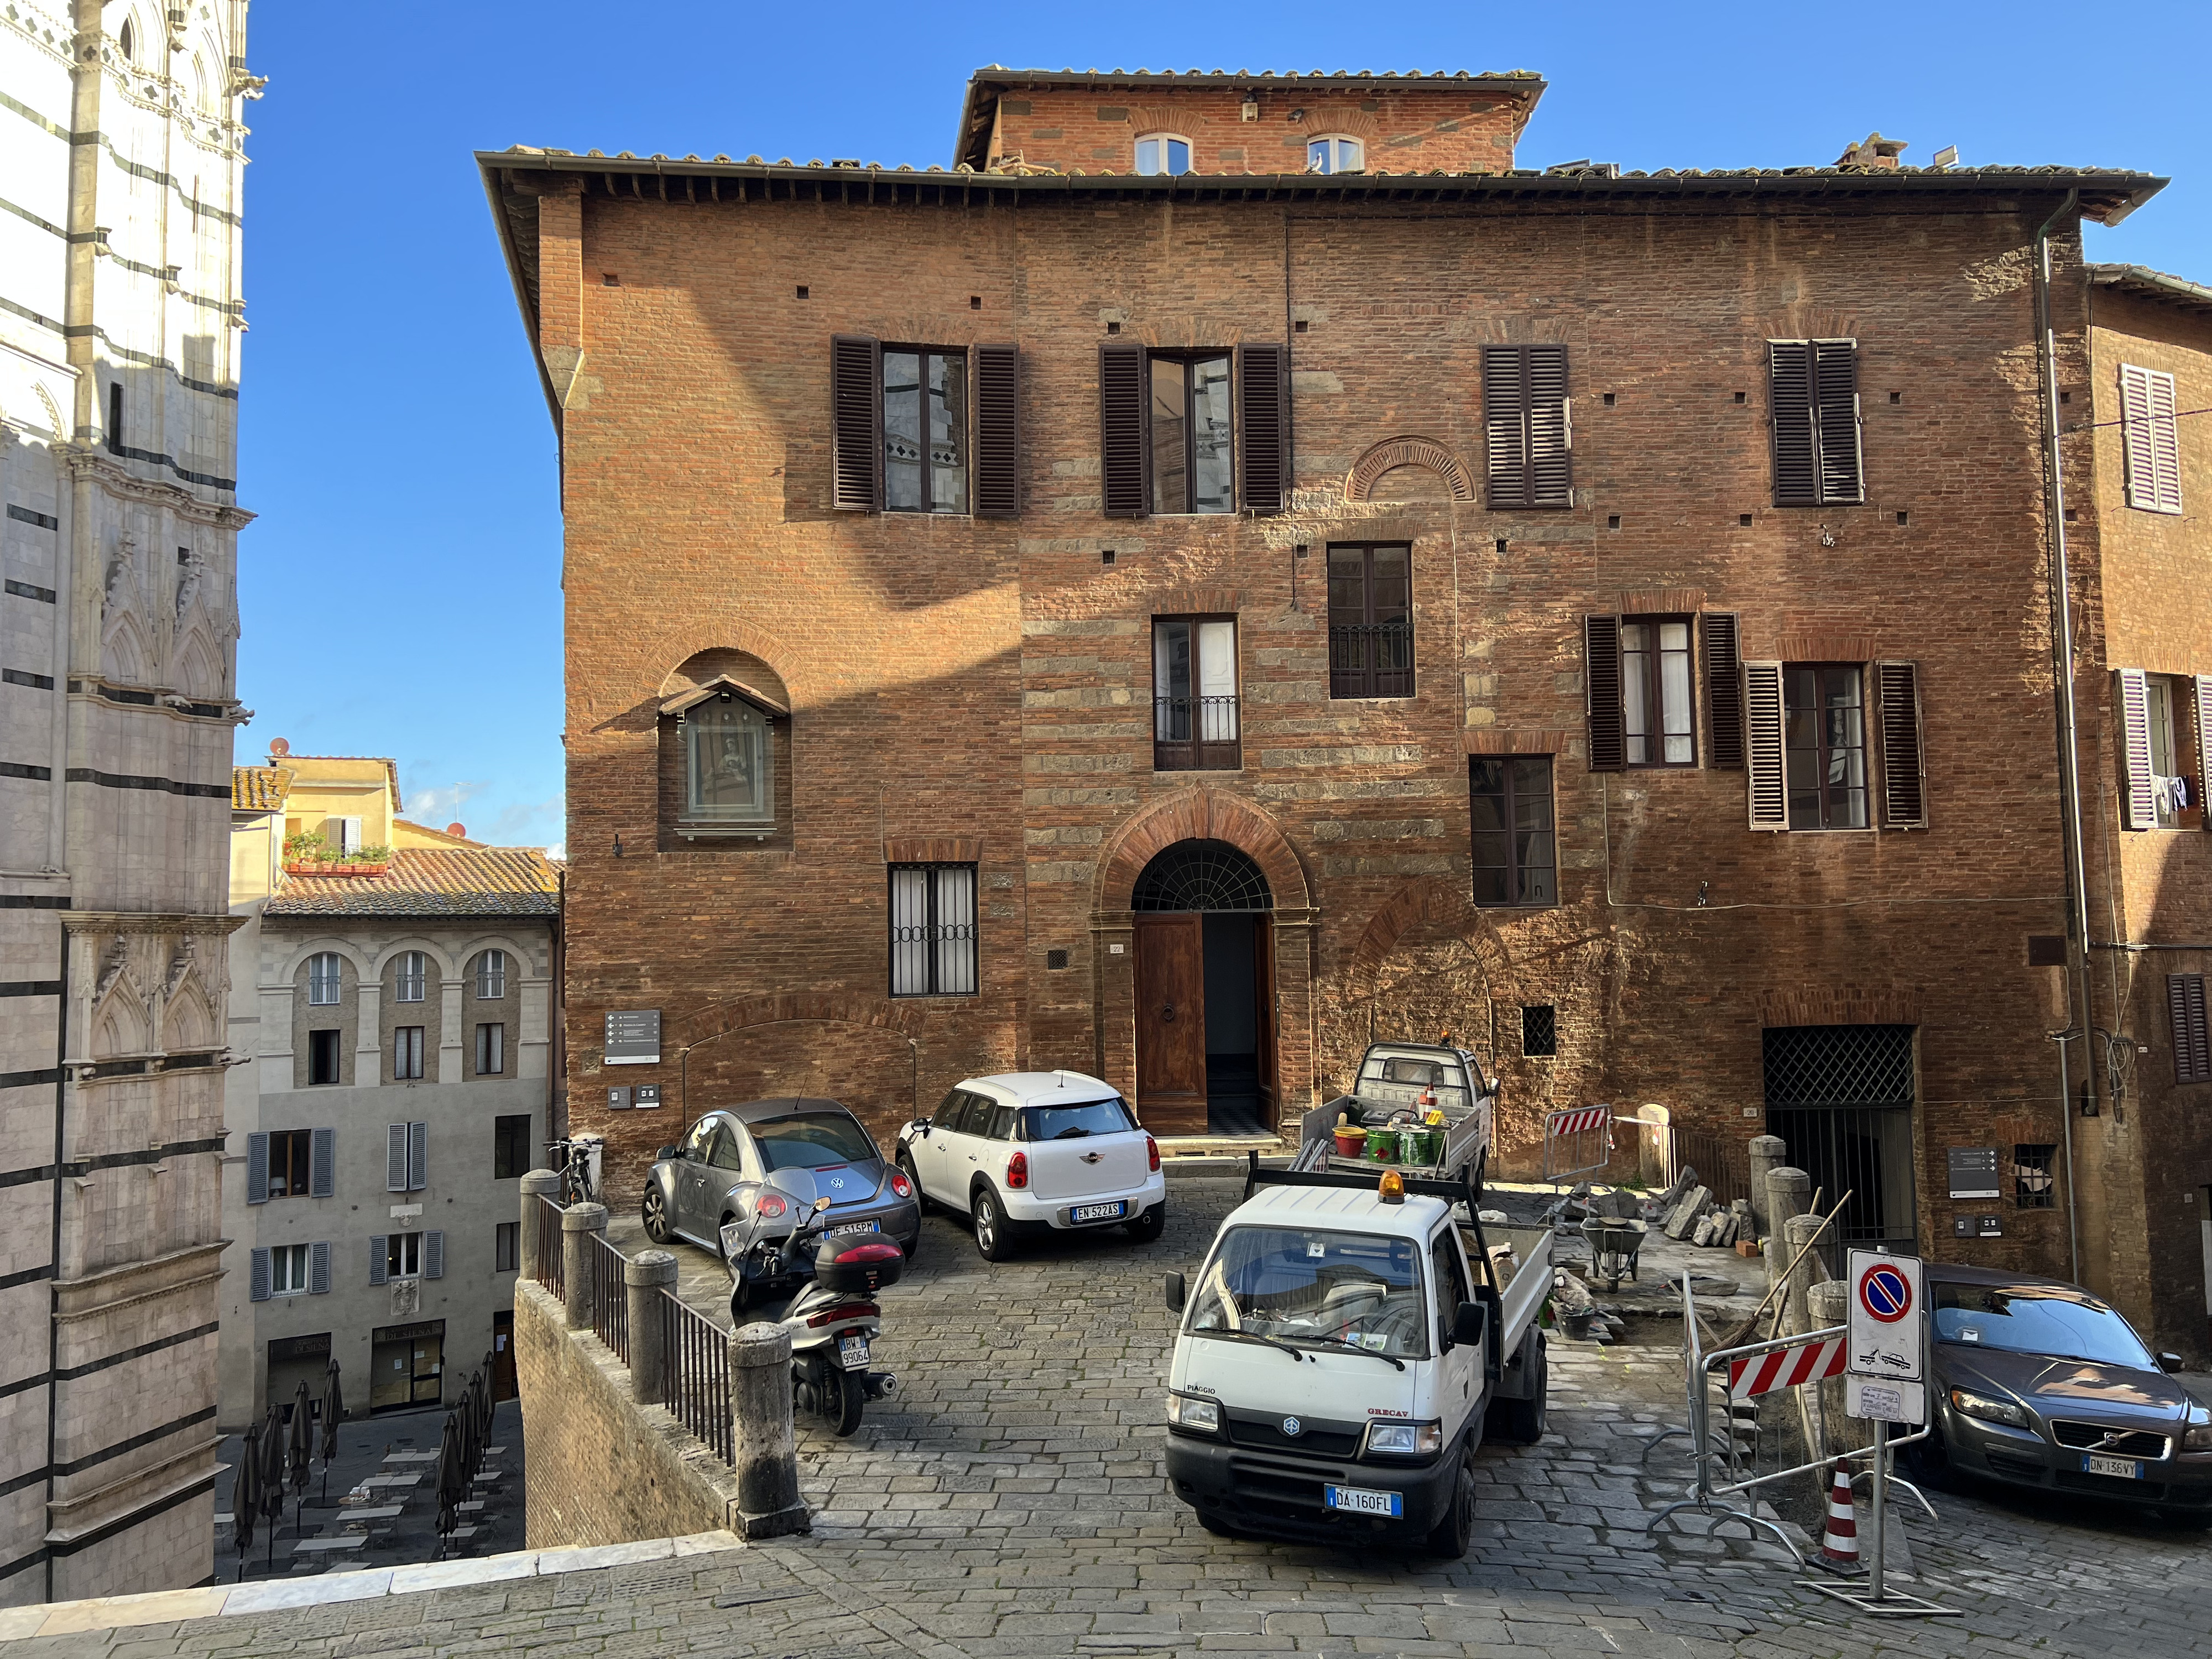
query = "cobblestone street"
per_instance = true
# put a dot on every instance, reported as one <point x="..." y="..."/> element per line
<point x="1014" y="1504"/>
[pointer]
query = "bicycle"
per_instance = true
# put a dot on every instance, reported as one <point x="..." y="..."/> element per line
<point x="573" y="1158"/>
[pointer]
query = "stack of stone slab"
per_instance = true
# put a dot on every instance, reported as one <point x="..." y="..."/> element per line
<point x="1695" y="1220"/>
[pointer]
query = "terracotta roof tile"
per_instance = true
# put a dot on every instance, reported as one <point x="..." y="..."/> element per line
<point x="489" y="881"/>
<point x="260" y="788"/>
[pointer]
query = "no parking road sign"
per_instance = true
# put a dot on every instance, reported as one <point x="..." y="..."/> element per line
<point x="1888" y="1316"/>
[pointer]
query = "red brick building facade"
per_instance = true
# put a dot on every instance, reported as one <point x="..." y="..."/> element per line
<point x="1171" y="614"/>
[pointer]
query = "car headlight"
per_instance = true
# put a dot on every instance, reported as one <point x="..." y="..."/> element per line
<point x="2197" y="1437"/>
<point x="1199" y="1416"/>
<point x="1989" y="1410"/>
<point x="1405" y="1439"/>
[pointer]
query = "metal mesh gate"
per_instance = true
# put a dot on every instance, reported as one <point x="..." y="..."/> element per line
<point x="1841" y="1097"/>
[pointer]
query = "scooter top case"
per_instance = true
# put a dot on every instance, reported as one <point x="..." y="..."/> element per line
<point x="857" y="1269"/>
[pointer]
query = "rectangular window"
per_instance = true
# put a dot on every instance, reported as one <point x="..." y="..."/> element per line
<point x="1812" y="388"/>
<point x="492" y="1050"/>
<point x="407" y="1053"/>
<point x="402" y="1255"/>
<point x="502" y="1248"/>
<point x="1657" y="708"/>
<point x="1515" y="861"/>
<point x="510" y="1146"/>
<point x="1539" y="1032"/>
<point x="2192" y="1048"/>
<point x="933" y="950"/>
<point x="288" y="1269"/>
<point x="1194" y="458"/>
<point x="925" y="430"/>
<point x="2035" y="1183"/>
<point x="1195" y="714"/>
<point x="1370" y="622"/>
<point x="1528" y="426"/>
<point x="491" y="976"/>
<point x="2150" y="440"/>
<point x="409" y="977"/>
<point x="323" y="1056"/>
<point x="1825" y="746"/>
<point x="2166" y="702"/>
<point x="291" y="1161"/>
<point x="324" y="977"/>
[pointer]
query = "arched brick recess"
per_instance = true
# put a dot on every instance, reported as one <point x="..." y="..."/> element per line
<point x="1199" y="814"/>
<point x="1429" y="901"/>
<point x="904" y="1017"/>
<point x="1393" y="452"/>
<point x="729" y="635"/>
<point x="1833" y="1004"/>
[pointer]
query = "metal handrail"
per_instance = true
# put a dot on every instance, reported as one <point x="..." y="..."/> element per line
<point x="552" y="1266"/>
<point x="609" y="1297"/>
<point x="696" y="1367"/>
<point x="1194" y="719"/>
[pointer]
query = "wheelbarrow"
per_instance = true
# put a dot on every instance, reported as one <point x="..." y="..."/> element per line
<point x="1613" y="1241"/>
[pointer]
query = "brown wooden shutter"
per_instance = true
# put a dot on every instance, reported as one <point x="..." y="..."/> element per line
<point x="1904" y="767"/>
<point x="1767" y="789"/>
<point x="1723" y="691"/>
<point x="856" y="399"/>
<point x="1264" y="411"/>
<point x="1505" y="426"/>
<point x="997" y="432"/>
<point x="1608" y="740"/>
<point x="2192" y="1042"/>
<point x="2203" y="689"/>
<point x="1836" y="402"/>
<point x="2139" y="804"/>
<point x="1551" y="426"/>
<point x="1789" y="403"/>
<point x="1124" y="456"/>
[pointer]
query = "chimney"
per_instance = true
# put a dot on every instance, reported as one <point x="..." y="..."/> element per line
<point x="1876" y="154"/>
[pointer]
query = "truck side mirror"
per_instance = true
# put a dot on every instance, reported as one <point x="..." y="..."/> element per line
<point x="1175" y="1292"/>
<point x="1470" y="1325"/>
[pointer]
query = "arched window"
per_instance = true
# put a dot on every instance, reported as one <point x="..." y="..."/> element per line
<point x="1163" y="152"/>
<point x="1336" y="154"/>
<point x="729" y="774"/>
<point x="1201" y="875"/>
<point x="126" y="42"/>
<point x="324" y="978"/>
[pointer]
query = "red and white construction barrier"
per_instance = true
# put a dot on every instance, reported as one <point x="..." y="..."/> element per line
<point x="1580" y="1120"/>
<point x="1787" y="1368"/>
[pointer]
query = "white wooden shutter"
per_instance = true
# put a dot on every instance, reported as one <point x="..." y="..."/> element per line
<point x="257" y="1277"/>
<point x="379" y="1248"/>
<point x="2203" y="687"/>
<point x="318" y="1269"/>
<point x="257" y="1169"/>
<point x="2139" y="804"/>
<point x="418" y="1157"/>
<point x="1767" y="786"/>
<point x="1217" y="681"/>
<point x="322" y="1164"/>
<point x="395" y="1157"/>
<point x="2151" y="439"/>
<point x="434" y="1254"/>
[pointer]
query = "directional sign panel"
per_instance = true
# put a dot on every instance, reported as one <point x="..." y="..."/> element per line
<point x="1888" y="1315"/>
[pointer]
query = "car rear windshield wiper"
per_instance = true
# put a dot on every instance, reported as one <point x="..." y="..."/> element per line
<point x="1248" y="1336"/>
<point x="1353" y="1347"/>
<point x="1075" y="1133"/>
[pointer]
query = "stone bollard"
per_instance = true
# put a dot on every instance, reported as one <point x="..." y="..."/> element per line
<point x="1796" y="1233"/>
<point x="1827" y="1304"/>
<point x="1788" y="1192"/>
<point x="645" y="1275"/>
<point x="537" y="1185"/>
<point x="769" y="1505"/>
<point x="1768" y="1153"/>
<point x="581" y="1224"/>
<point x="1651" y="1146"/>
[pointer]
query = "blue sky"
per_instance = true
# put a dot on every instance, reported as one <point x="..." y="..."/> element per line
<point x="401" y="587"/>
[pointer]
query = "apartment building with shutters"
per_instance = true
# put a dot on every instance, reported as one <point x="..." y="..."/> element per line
<point x="396" y="993"/>
<point x="1235" y="565"/>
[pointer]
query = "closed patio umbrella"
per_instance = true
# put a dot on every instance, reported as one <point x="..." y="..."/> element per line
<point x="300" y="1447"/>
<point x="333" y="1414"/>
<point x="246" y="1492"/>
<point x="464" y="1431"/>
<point x="491" y="1392"/>
<point x="452" y="1483"/>
<point x="272" y="1475"/>
<point x="484" y="1401"/>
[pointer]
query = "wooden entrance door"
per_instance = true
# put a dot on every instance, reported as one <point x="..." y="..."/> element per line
<point x="1263" y="985"/>
<point x="1172" y="1024"/>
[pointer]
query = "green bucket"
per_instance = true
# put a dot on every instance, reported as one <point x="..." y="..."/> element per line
<point x="1423" y="1146"/>
<point x="1382" y="1145"/>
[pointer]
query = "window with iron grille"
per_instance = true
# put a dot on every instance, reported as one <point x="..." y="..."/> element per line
<point x="1841" y="1098"/>
<point x="1195" y="702"/>
<point x="1540" y="1031"/>
<point x="933" y="934"/>
<point x="1201" y="875"/>
<point x="1370" y="622"/>
<point x="2034" y="1183"/>
<point x="1510" y="804"/>
<point x="491" y="976"/>
<point x="1823" y="713"/>
<point x="325" y="975"/>
<point x="925" y="430"/>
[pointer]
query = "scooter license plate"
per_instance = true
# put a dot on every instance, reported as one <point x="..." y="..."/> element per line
<point x="1358" y="1500"/>
<point x="852" y="1352"/>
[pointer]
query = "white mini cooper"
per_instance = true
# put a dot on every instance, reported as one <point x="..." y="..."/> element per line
<point x="1026" y="1151"/>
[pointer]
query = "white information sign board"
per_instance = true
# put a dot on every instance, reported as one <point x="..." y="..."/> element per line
<point x="1886" y="1402"/>
<point x="1888" y="1316"/>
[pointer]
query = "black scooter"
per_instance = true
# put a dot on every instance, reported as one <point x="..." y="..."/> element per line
<point x="820" y="1289"/>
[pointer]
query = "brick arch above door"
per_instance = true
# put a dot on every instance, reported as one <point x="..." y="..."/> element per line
<point x="1199" y="814"/>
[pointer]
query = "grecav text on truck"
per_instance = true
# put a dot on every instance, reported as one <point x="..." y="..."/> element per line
<point x="1343" y="1351"/>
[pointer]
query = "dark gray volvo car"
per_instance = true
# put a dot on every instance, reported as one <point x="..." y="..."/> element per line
<point x="2038" y="1383"/>
<point x="698" y="1185"/>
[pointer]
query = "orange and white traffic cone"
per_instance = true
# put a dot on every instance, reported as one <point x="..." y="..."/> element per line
<point x="1839" y="1544"/>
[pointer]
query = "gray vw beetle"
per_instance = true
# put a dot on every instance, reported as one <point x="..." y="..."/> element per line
<point x="698" y="1188"/>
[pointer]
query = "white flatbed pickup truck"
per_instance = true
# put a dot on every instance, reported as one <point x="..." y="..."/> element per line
<point x="1348" y="1344"/>
<point x="1399" y="1081"/>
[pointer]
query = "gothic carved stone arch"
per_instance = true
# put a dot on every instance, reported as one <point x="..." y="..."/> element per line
<point x="1394" y="452"/>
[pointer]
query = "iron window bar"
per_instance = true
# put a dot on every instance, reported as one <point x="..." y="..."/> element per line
<point x="1196" y="734"/>
<point x="1370" y="660"/>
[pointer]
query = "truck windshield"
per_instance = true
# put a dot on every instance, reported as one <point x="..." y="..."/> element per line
<point x="1073" y="1122"/>
<point x="1300" y="1285"/>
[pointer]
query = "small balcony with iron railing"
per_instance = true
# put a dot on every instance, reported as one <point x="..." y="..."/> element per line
<point x="1195" y="734"/>
<point x="1370" y="660"/>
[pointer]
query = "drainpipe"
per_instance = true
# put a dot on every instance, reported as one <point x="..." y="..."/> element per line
<point x="2069" y="764"/>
